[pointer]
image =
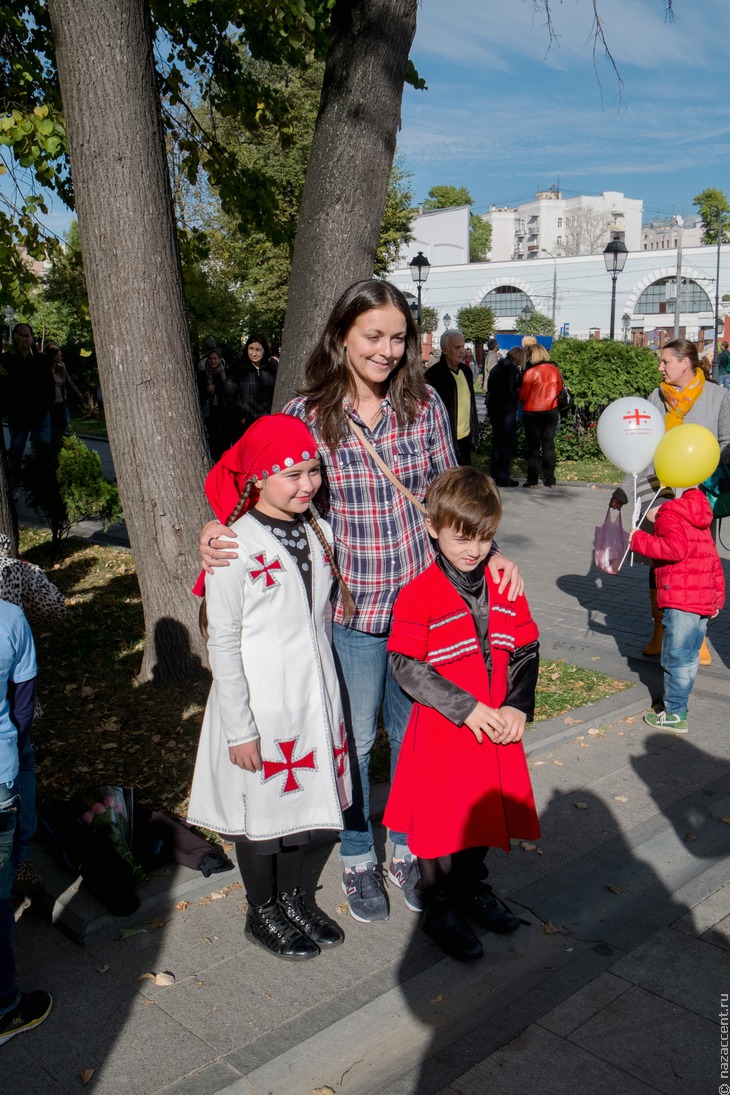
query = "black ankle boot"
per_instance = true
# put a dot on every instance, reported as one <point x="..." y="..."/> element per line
<point x="267" y="926"/>
<point x="310" y="922"/>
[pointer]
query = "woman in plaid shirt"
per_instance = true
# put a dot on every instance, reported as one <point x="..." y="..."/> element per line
<point x="366" y="368"/>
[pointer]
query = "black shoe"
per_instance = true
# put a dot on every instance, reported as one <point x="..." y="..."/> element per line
<point x="531" y="486"/>
<point x="267" y="926"/>
<point x="29" y="1012"/>
<point x="507" y="482"/>
<point x="453" y="935"/>
<point x="488" y="913"/>
<point x="310" y="922"/>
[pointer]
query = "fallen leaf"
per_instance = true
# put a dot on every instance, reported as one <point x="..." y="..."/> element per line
<point x="689" y="837"/>
<point x="527" y="847"/>
<point x="548" y="928"/>
<point x="146" y="977"/>
<point x="437" y="999"/>
<point x="597" y="732"/>
<point x="326" y="1090"/>
<point x="559" y="763"/>
<point x="619" y="733"/>
<point x="217" y="896"/>
<point x="343" y="908"/>
<point x="580" y="737"/>
<point x="85" y="1075"/>
<point x="629" y="719"/>
<point x="614" y="889"/>
<point x="182" y="905"/>
<point x="538" y="763"/>
<point x="595" y="658"/>
<point x="584" y="745"/>
<point x="572" y="722"/>
<point x="88" y="691"/>
<point x="127" y="933"/>
<point x="620" y="798"/>
<point x="102" y="969"/>
<point x="581" y="805"/>
<point x="153" y="925"/>
<point x="725" y="820"/>
<point x="164" y="978"/>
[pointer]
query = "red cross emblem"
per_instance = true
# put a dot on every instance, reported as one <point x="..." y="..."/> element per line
<point x="264" y="568"/>
<point x="341" y="751"/>
<point x="289" y="765"/>
<point x="636" y="417"/>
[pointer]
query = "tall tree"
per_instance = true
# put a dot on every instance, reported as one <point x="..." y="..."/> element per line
<point x="349" y="165"/>
<point x="713" y="207"/>
<point x="132" y="267"/>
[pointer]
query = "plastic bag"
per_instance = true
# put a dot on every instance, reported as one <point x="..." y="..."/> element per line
<point x="610" y="543"/>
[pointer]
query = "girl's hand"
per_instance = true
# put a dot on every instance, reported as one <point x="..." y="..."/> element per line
<point x="215" y="546"/>
<point x="485" y="719"/>
<point x="515" y="722"/>
<point x="247" y="755"/>
<point x="631" y="534"/>
<point x="505" y="573"/>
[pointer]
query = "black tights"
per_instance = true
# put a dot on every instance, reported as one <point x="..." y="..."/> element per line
<point x="446" y="880"/>
<point x="264" y="876"/>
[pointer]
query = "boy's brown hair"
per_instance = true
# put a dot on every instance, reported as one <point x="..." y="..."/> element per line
<point x="466" y="500"/>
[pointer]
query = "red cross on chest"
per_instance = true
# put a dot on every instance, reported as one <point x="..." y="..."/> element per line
<point x="636" y="417"/>
<point x="289" y="765"/>
<point x="264" y="569"/>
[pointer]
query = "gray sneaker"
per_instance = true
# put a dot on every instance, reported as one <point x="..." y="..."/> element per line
<point x="363" y="887"/>
<point x="404" y="873"/>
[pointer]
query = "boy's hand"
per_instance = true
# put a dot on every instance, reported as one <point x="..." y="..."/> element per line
<point x="486" y="719"/>
<point x="214" y="549"/>
<point x="505" y="573"/>
<point x="631" y="534"/>
<point x="247" y="755"/>
<point x="515" y="722"/>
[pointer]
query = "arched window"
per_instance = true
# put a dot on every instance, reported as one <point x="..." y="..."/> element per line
<point x="658" y="298"/>
<point x="506" y="300"/>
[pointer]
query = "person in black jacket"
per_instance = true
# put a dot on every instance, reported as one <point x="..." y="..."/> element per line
<point x="28" y="392"/>
<point x="252" y="383"/>
<point x="454" y="383"/>
<point x="503" y="397"/>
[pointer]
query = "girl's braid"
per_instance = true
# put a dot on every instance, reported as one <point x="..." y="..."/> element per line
<point x="237" y="511"/>
<point x="348" y="604"/>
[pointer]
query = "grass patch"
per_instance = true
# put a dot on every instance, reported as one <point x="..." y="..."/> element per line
<point x="583" y="469"/>
<point x="88" y="424"/>
<point x="99" y="726"/>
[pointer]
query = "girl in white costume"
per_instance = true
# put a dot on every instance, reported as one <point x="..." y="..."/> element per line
<point x="272" y="762"/>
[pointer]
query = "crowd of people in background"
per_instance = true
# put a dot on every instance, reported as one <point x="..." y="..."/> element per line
<point x="233" y="397"/>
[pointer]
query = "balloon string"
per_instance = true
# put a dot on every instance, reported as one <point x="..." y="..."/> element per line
<point x="628" y="549"/>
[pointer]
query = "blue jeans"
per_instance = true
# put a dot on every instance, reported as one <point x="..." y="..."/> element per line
<point x="20" y="431"/>
<point x="683" y="636"/>
<point x="367" y="683"/>
<point x="9" y="807"/>
<point x="725" y="379"/>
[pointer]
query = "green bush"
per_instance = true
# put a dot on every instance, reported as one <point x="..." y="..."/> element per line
<point x="573" y="441"/>
<point x="599" y="371"/>
<point x="68" y="486"/>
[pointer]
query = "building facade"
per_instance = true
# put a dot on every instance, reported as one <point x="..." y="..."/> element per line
<point x="576" y="293"/>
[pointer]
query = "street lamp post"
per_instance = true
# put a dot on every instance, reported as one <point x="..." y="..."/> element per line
<point x="447" y="321"/>
<point x="626" y="324"/>
<point x="555" y="282"/>
<point x="614" y="255"/>
<point x="679" y="221"/>
<point x="419" y="267"/>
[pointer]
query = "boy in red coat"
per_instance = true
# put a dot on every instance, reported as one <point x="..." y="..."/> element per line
<point x="469" y="658"/>
<point x="690" y="588"/>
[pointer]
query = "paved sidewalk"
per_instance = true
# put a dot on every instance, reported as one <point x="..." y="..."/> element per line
<point x="617" y="985"/>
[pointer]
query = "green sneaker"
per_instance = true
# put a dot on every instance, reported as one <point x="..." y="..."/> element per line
<point x="663" y="720"/>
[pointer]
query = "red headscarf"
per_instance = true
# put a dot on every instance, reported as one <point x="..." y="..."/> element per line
<point x="270" y="445"/>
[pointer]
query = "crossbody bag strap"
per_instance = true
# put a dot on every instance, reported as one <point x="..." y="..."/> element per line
<point x="384" y="467"/>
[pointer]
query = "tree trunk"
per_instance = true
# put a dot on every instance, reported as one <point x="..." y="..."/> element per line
<point x="8" y="512"/>
<point x="129" y="244"/>
<point x="349" y="167"/>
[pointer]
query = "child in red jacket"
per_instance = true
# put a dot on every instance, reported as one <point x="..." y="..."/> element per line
<point x="691" y="590"/>
<point x="469" y="658"/>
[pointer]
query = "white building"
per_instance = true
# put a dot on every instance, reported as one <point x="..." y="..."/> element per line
<point x="442" y="235"/>
<point x="581" y="225"/>
<point x="577" y="292"/>
<point x="664" y="235"/>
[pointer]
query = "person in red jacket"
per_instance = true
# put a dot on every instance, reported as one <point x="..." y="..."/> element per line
<point x="541" y="386"/>
<point x="690" y="589"/>
<point x="469" y="659"/>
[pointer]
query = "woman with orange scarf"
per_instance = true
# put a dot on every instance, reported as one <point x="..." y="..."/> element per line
<point x="685" y="394"/>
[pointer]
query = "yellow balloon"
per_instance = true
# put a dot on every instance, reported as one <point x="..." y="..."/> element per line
<point x="686" y="456"/>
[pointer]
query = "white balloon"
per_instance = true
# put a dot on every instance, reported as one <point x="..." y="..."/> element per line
<point x="629" y="431"/>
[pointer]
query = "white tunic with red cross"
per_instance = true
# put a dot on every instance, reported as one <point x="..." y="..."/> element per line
<point x="273" y="679"/>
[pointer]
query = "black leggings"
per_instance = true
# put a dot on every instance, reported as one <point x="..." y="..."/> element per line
<point x="451" y="878"/>
<point x="265" y="876"/>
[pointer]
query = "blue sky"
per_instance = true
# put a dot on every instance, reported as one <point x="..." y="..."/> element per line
<point x="507" y="113"/>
